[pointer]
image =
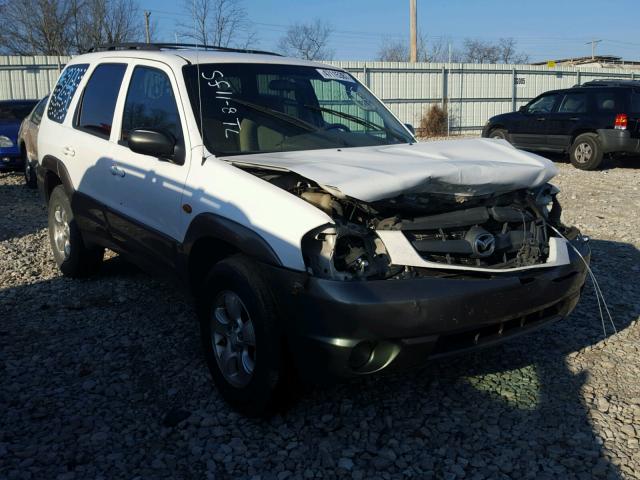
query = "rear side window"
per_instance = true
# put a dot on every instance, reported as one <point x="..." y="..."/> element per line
<point x="64" y="91"/>
<point x="150" y="103"/>
<point x="573" y="103"/>
<point x="99" y="99"/>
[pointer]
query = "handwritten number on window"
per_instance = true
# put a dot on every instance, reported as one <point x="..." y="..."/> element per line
<point x="224" y="93"/>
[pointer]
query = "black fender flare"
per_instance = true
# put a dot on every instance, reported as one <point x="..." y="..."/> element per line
<point x="242" y="238"/>
<point x="54" y="165"/>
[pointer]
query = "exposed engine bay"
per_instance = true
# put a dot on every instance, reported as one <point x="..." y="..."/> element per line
<point x="496" y="232"/>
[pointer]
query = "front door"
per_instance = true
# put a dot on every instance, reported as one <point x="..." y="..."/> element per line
<point x="530" y="130"/>
<point x="151" y="219"/>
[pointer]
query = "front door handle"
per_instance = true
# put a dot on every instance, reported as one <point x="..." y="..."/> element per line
<point x="116" y="171"/>
<point x="541" y="119"/>
<point x="574" y="119"/>
<point x="69" y="151"/>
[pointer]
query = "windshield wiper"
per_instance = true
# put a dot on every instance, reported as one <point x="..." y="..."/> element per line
<point x="359" y="120"/>
<point x="275" y="113"/>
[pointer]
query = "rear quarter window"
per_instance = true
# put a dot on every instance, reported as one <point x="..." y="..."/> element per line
<point x="64" y="91"/>
<point x="610" y="101"/>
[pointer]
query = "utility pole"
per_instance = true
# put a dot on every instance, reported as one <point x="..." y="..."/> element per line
<point x="593" y="48"/>
<point x="147" y="14"/>
<point x="413" y="13"/>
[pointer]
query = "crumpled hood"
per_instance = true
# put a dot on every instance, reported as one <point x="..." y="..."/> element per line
<point x="468" y="167"/>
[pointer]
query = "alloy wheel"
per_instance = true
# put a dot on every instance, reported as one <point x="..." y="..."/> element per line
<point x="233" y="339"/>
<point x="583" y="152"/>
<point x="61" y="231"/>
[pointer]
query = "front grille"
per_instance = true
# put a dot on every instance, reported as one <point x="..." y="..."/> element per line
<point x="497" y="237"/>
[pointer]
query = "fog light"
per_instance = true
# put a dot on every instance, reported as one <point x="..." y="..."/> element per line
<point x="360" y="355"/>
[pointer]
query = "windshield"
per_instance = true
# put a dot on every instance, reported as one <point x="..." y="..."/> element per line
<point x="256" y="108"/>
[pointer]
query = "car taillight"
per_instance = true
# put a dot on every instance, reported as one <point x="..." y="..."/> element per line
<point x="621" y="121"/>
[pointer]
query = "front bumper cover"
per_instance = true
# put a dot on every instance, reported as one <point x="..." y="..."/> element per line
<point x="331" y="324"/>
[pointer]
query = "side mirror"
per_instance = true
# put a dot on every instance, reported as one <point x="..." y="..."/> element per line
<point x="523" y="109"/>
<point x="155" y="143"/>
<point x="410" y="128"/>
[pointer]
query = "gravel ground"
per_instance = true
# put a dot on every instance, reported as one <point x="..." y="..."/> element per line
<point x="103" y="378"/>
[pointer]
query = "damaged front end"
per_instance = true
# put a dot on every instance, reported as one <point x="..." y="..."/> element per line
<point x="392" y="283"/>
<point x="414" y="235"/>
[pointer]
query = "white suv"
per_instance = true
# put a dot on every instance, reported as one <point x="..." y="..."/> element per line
<point x="317" y="236"/>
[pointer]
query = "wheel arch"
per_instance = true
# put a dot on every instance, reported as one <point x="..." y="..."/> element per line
<point x="51" y="173"/>
<point x="575" y="134"/>
<point x="211" y="238"/>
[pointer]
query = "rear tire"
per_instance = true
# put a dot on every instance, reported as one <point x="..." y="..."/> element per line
<point x="73" y="257"/>
<point x="586" y="152"/>
<point x="241" y="337"/>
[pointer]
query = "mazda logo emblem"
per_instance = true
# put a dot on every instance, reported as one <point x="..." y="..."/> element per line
<point x="484" y="244"/>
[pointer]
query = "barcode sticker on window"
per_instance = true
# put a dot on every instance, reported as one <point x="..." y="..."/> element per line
<point x="335" y="75"/>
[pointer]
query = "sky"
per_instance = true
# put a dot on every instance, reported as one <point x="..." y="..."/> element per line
<point x="545" y="29"/>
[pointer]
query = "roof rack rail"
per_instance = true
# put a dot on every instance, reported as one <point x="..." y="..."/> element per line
<point x="611" y="83"/>
<point x="172" y="46"/>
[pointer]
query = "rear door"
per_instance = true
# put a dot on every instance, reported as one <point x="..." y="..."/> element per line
<point x="572" y="114"/>
<point x="88" y="149"/>
<point x="530" y="130"/>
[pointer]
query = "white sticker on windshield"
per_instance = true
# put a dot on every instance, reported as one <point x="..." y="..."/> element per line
<point x="335" y="75"/>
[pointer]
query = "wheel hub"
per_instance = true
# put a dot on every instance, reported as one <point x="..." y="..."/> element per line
<point x="233" y="339"/>
<point x="61" y="232"/>
<point x="583" y="152"/>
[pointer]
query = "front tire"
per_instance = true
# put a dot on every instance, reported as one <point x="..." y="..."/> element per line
<point x="498" y="133"/>
<point x="586" y="152"/>
<point x="241" y="337"/>
<point x="73" y="257"/>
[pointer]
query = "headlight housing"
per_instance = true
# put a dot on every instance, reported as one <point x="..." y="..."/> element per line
<point x="345" y="252"/>
<point x="5" y="142"/>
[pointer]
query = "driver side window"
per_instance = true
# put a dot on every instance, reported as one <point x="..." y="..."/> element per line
<point x="543" y="104"/>
<point x="150" y="103"/>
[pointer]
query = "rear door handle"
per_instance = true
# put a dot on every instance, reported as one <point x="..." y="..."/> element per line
<point x="116" y="171"/>
<point x="541" y="119"/>
<point x="574" y="119"/>
<point x="69" y="151"/>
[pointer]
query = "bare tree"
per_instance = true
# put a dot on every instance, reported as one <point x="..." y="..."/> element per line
<point x="106" y="21"/>
<point x="65" y="27"/>
<point x="31" y="27"/>
<point x="502" y="51"/>
<point x="223" y="23"/>
<point x="308" y="40"/>
<point x="436" y="50"/>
